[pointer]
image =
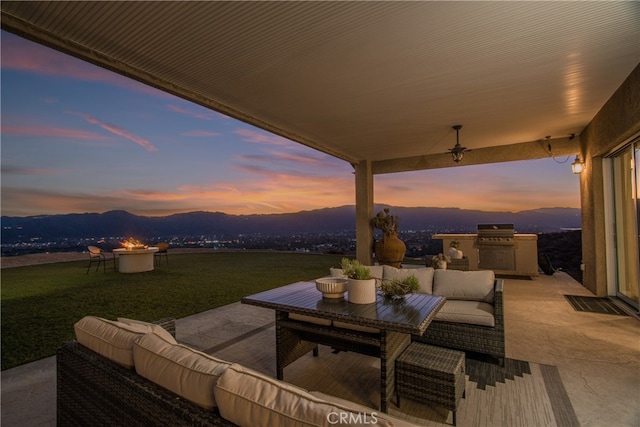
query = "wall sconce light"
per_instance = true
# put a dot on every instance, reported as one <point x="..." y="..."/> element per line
<point x="577" y="166"/>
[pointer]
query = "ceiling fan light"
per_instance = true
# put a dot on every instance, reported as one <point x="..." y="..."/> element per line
<point x="457" y="152"/>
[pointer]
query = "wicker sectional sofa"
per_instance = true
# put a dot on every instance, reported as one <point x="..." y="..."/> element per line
<point x="131" y="373"/>
<point x="471" y="321"/>
<point x="472" y="318"/>
<point x="93" y="390"/>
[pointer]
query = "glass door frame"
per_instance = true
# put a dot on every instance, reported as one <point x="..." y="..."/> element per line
<point x="612" y="260"/>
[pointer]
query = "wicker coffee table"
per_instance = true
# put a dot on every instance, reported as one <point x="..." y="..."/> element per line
<point x="430" y="374"/>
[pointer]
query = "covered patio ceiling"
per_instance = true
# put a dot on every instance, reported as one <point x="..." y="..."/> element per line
<point x="378" y="81"/>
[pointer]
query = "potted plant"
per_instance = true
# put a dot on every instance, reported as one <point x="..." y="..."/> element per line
<point x="454" y="252"/>
<point x="440" y="261"/>
<point x="361" y="285"/>
<point x="390" y="250"/>
<point x="398" y="288"/>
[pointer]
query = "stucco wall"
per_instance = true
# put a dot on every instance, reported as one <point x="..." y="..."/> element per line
<point x="616" y="122"/>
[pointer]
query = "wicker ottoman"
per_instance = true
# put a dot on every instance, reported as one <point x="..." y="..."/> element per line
<point x="430" y="374"/>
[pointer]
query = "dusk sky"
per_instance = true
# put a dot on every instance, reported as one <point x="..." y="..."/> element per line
<point x="77" y="138"/>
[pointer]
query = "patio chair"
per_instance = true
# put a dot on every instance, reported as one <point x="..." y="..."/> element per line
<point x="97" y="255"/>
<point x="162" y="250"/>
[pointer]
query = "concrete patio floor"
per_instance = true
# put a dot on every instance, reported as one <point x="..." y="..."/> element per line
<point x="597" y="355"/>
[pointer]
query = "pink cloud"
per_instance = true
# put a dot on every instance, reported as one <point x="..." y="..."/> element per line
<point x="284" y="192"/>
<point x="278" y="195"/>
<point x="296" y="175"/>
<point x="259" y="137"/>
<point x="23" y="55"/>
<point x="117" y="131"/>
<point x="31" y="201"/>
<point x="261" y="170"/>
<point x="275" y="193"/>
<point x="306" y="158"/>
<point x="199" y="114"/>
<point x="477" y="188"/>
<point x="51" y="132"/>
<point x="299" y="158"/>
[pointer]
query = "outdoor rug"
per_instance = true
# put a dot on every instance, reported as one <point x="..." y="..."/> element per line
<point x="485" y="373"/>
<point x="600" y="305"/>
<point x="519" y="394"/>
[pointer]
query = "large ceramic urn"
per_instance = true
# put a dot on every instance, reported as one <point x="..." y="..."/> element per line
<point x="390" y="250"/>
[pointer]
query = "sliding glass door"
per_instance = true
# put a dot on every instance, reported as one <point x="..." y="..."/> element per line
<point x="626" y="182"/>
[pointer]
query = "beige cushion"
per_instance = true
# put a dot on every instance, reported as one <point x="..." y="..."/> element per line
<point x="156" y="329"/>
<point x="109" y="338"/>
<point x="361" y="409"/>
<point x="471" y="312"/>
<point x="353" y="327"/>
<point x="464" y="285"/>
<point x="310" y="319"/>
<point x="336" y="272"/>
<point x="249" y="398"/>
<point x="377" y="271"/>
<point x="186" y="372"/>
<point x="424" y="276"/>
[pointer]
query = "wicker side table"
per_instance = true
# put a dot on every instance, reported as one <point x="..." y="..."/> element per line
<point x="459" y="264"/>
<point x="431" y="374"/>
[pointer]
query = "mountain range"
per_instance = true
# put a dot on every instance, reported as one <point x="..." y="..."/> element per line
<point x="329" y="220"/>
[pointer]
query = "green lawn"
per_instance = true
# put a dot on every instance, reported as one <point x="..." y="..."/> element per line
<point x="41" y="303"/>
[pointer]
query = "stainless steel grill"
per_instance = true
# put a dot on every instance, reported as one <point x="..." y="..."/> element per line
<point x="496" y="247"/>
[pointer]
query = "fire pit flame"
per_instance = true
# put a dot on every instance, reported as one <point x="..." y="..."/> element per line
<point x="132" y="243"/>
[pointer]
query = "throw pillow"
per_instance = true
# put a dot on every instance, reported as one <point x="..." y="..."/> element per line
<point x="377" y="271"/>
<point x="424" y="276"/>
<point x="156" y="329"/>
<point x="464" y="285"/>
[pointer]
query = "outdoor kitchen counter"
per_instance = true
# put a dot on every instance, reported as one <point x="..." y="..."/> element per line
<point x="526" y="249"/>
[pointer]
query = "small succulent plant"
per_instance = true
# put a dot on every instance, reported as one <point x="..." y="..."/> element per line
<point x="353" y="269"/>
<point x="398" y="288"/>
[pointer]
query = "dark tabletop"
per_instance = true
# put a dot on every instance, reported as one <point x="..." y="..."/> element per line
<point x="411" y="314"/>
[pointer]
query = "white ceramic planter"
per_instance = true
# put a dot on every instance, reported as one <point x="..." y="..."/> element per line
<point x="361" y="291"/>
<point x="455" y="253"/>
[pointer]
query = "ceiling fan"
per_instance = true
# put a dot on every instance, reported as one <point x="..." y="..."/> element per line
<point x="457" y="152"/>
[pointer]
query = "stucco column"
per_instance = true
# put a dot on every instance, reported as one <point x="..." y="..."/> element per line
<point x="364" y="212"/>
<point x="594" y="247"/>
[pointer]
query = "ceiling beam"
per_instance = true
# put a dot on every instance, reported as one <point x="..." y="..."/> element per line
<point x="478" y="156"/>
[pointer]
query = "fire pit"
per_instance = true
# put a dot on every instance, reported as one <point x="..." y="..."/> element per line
<point x="135" y="257"/>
